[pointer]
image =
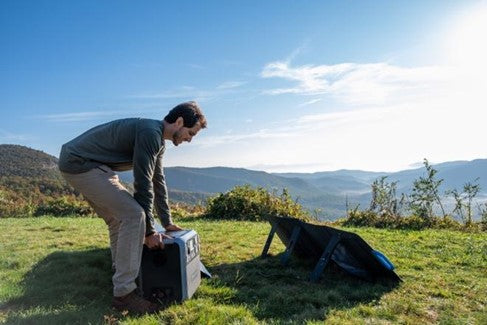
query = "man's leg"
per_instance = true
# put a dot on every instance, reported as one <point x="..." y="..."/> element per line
<point x="103" y="189"/>
<point x="113" y="225"/>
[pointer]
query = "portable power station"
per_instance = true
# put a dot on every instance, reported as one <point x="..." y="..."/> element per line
<point x="173" y="273"/>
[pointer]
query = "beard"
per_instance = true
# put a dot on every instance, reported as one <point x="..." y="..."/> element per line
<point x="176" y="137"/>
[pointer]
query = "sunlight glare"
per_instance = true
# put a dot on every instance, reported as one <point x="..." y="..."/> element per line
<point x="467" y="42"/>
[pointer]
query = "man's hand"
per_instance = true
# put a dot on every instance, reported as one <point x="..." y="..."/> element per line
<point x="154" y="241"/>
<point x="173" y="227"/>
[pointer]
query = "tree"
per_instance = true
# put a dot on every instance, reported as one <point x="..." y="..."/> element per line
<point x="464" y="200"/>
<point x="384" y="200"/>
<point x="425" y="193"/>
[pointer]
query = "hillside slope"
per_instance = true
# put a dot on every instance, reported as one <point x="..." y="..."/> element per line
<point x="16" y="160"/>
<point x="29" y="176"/>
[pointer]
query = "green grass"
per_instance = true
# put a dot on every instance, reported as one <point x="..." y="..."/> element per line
<point x="57" y="271"/>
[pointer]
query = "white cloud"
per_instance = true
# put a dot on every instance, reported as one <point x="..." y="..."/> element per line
<point x="193" y="93"/>
<point x="297" y="51"/>
<point x="212" y="141"/>
<point x="231" y="84"/>
<point x="77" y="116"/>
<point x="378" y="138"/>
<point x="185" y="92"/>
<point x="390" y="117"/>
<point x="310" y="102"/>
<point x="357" y="84"/>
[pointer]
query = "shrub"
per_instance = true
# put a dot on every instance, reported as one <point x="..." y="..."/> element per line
<point x="360" y="218"/>
<point x="183" y="210"/>
<point x="367" y="218"/>
<point x="447" y="223"/>
<point x="255" y="204"/>
<point x="64" y="206"/>
<point x="415" y="222"/>
<point x="13" y="205"/>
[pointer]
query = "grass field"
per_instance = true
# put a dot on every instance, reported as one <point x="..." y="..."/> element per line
<point x="57" y="271"/>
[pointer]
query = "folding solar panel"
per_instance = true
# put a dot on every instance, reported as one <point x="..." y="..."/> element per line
<point x="324" y="244"/>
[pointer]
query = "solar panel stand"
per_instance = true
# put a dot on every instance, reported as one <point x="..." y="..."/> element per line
<point x="325" y="258"/>
<point x="269" y="240"/>
<point x="291" y="244"/>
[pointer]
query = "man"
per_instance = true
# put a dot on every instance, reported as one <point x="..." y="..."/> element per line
<point x="88" y="163"/>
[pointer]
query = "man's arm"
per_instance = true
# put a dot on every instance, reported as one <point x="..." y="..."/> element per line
<point x="160" y="190"/>
<point x="146" y="149"/>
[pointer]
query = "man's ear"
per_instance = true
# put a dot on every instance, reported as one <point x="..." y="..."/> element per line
<point x="179" y="121"/>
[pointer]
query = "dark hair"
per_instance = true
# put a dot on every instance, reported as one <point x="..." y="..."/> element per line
<point x="190" y="112"/>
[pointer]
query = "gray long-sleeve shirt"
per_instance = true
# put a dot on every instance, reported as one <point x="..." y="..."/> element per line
<point x="125" y="144"/>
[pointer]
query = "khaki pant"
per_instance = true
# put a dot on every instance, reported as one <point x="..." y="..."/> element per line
<point x="125" y="219"/>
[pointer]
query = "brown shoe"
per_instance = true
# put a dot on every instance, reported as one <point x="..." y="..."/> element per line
<point x="134" y="304"/>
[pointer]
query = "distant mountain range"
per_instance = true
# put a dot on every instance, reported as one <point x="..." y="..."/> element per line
<point x="322" y="192"/>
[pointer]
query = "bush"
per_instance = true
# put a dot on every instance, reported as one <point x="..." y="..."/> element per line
<point x="64" y="206"/>
<point x="447" y="223"/>
<point x="254" y="204"/>
<point x="415" y="222"/>
<point x="357" y="218"/>
<point x="367" y="218"/>
<point x="13" y="205"/>
<point x="181" y="210"/>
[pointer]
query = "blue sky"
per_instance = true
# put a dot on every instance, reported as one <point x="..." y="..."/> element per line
<point x="286" y="85"/>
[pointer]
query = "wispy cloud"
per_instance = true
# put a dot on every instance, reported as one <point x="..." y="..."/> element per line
<point x="353" y="83"/>
<point x="231" y="84"/>
<point x="193" y="93"/>
<point x="212" y="141"/>
<point x="6" y="136"/>
<point x="77" y="116"/>
<point x="183" y="92"/>
<point x="310" y="102"/>
<point x="297" y="52"/>
<point x="385" y="135"/>
<point x="388" y="116"/>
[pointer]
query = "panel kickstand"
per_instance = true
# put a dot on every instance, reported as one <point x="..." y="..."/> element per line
<point x="325" y="258"/>
<point x="269" y="240"/>
<point x="291" y="244"/>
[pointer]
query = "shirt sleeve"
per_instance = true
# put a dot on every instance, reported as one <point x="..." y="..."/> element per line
<point x="146" y="148"/>
<point x="160" y="190"/>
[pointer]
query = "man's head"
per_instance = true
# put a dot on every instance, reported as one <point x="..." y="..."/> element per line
<point x="185" y="120"/>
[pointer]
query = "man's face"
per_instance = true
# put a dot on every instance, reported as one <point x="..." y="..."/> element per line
<point x="185" y="134"/>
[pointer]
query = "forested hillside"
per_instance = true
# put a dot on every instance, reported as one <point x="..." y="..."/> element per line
<point x="30" y="173"/>
<point x="30" y="183"/>
<point x="28" y="178"/>
<point x="16" y="160"/>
